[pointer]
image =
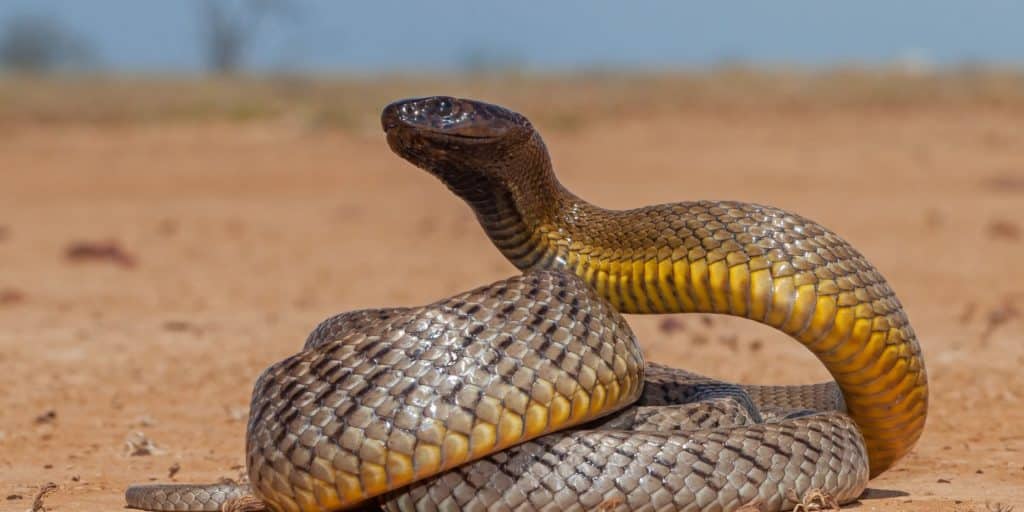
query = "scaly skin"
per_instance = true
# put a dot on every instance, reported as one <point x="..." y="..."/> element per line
<point x="466" y="402"/>
<point x="726" y="257"/>
<point x="474" y="400"/>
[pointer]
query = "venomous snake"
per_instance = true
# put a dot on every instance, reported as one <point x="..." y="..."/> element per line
<point x="531" y="393"/>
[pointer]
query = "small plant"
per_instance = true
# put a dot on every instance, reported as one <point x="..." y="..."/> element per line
<point x="813" y="500"/>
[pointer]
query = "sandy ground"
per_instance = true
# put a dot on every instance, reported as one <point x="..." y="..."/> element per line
<point x="149" y="272"/>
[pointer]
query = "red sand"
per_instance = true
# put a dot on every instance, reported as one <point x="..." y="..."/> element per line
<point x="220" y="246"/>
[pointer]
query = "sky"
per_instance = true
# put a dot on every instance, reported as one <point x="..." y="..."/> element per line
<point x="337" y="36"/>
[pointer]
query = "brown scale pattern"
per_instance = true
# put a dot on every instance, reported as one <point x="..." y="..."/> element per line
<point x="420" y="390"/>
<point x="168" y="497"/>
<point x="705" y="434"/>
<point x="769" y="266"/>
<point x="716" y="469"/>
<point x="701" y="448"/>
<point x="726" y="257"/>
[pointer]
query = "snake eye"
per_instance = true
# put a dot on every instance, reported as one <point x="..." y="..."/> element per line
<point x="453" y="117"/>
<point x="444" y="107"/>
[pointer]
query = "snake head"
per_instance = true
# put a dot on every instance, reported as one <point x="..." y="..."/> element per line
<point x="453" y="137"/>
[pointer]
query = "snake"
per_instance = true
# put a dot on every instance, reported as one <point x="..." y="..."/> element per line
<point x="532" y="393"/>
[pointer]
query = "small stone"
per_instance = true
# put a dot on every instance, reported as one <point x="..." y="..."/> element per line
<point x="46" y="417"/>
<point x="671" y="324"/>
<point x="137" y="445"/>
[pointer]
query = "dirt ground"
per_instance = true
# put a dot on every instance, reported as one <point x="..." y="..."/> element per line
<point x="149" y="271"/>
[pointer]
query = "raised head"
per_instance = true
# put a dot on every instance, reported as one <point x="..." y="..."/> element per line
<point x="452" y="138"/>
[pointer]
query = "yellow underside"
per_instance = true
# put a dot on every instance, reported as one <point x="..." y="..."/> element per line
<point x="307" y="493"/>
<point x="873" y="360"/>
<point x="875" y="366"/>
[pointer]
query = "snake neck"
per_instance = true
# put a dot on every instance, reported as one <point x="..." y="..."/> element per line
<point x="738" y="259"/>
<point x="523" y="217"/>
<point x="534" y="220"/>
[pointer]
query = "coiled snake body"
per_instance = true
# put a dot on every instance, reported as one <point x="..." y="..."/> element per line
<point x="531" y="393"/>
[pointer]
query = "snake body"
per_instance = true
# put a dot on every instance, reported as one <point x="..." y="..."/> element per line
<point x="532" y="393"/>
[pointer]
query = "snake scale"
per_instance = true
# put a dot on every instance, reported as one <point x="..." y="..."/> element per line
<point x="531" y="393"/>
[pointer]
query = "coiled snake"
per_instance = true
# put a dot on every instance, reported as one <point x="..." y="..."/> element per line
<point x="531" y="393"/>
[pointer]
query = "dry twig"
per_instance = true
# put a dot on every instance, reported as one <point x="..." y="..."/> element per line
<point x="99" y="251"/>
<point x="47" y="489"/>
<point x="247" y="503"/>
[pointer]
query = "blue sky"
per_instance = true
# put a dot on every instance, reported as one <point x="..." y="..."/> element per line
<point x="390" y="35"/>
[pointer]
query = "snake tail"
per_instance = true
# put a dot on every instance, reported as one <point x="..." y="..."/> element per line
<point x="187" y="497"/>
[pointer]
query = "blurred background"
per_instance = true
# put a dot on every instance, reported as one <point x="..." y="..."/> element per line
<point x="324" y="37"/>
<point x="301" y="57"/>
<point x="188" y="187"/>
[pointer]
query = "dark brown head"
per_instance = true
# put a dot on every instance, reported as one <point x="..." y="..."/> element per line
<point x="452" y="138"/>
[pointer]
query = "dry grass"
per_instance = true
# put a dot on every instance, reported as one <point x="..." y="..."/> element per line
<point x="244" y="504"/>
<point x="998" y="507"/>
<point x="562" y="101"/>
<point x="45" y="490"/>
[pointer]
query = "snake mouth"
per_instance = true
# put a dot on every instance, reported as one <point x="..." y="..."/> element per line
<point x="448" y="119"/>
